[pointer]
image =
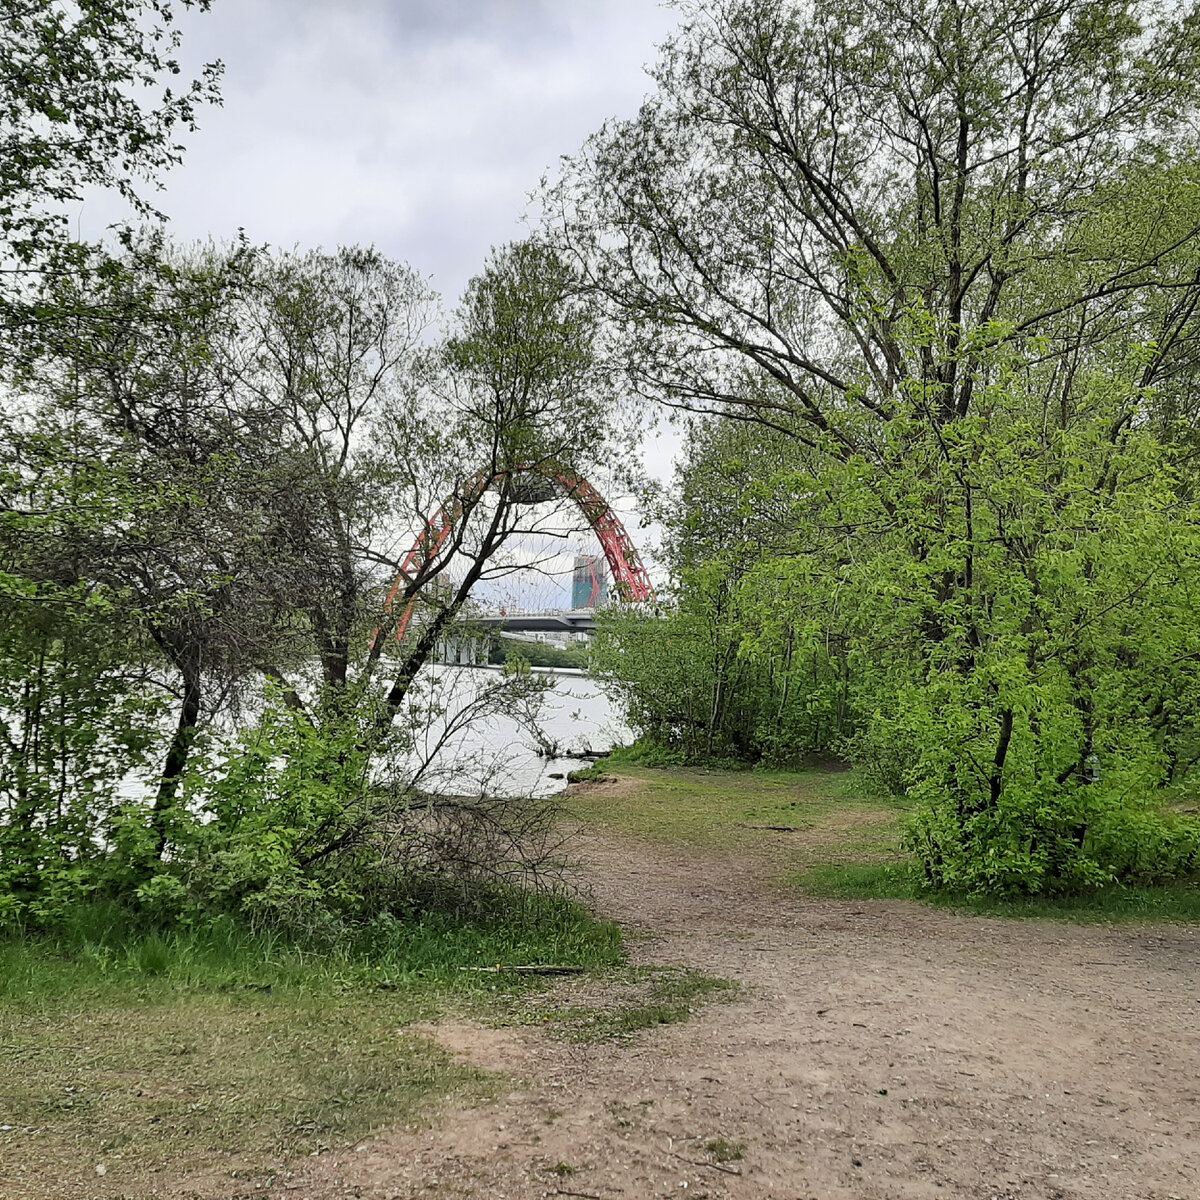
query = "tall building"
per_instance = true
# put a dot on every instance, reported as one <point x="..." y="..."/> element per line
<point x="589" y="584"/>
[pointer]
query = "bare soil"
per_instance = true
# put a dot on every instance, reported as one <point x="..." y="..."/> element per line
<point x="874" y="1051"/>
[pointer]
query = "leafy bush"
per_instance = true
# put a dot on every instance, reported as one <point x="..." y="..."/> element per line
<point x="997" y="618"/>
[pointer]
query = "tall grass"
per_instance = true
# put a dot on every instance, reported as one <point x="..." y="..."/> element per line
<point x="147" y="1050"/>
<point x="104" y="949"/>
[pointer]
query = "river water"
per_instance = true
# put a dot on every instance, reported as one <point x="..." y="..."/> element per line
<point x="505" y="757"/>
<point x="497" y="755"/>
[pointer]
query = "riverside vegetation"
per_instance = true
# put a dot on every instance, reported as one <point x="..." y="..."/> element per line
<point x="924" y="276"/>
<point x="920" y="278"/>
<point x="224" y="874"/>
<point x="828" y="832"/>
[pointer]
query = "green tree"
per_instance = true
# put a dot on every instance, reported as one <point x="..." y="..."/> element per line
<point x="1038" y="711"/>
<point x="78" y="720"/>
<point x="438" y="452"/>
<point x="143" y="477"/>
<point x="733" y="663"/>
<point x="83" y="103"/>
<point x="928" y="242"/>
<point x="521" y="394"/>
<point x="390" y="443"/>
<point x="227" y="459"/>
<point x="812" y="193"/>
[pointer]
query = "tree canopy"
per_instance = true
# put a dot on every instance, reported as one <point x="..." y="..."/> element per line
<point x="86" y="100"/>
<point x="945" y="250"/>
<point x="823" y="207"/>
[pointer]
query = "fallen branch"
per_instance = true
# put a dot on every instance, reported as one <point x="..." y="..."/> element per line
<point x="775" y="828"/>
<point x="533" y="970"/>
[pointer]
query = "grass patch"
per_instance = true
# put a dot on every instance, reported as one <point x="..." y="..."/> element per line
<point x="833" y="837"/>
<point x="646" y="754"/>
<point x="860" y="881"/>
<point x="147" y="1051"/>
<point x="875" y="881"/>
<point x="593" y="774"/>
<point x="724" y="1151"/>
<point x="623" y="1004"/>
<point x="713" y="808"/>
<point x="152" y="1085"/>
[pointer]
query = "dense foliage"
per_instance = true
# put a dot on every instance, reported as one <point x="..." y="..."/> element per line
<point x="213" y="483"/>
<point x="932" y="267"/>
<point x="91" y="96"/>
<point x="510" y="650"/>
<point x="924" y="274"/>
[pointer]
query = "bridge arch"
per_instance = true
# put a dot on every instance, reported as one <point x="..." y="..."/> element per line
<point x="630" y="580"/>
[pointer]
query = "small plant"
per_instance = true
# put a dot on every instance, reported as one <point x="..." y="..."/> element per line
<point x="725" y="1151"/>
<point x="561" y="1169"/>
<point x="619" y="1113"/>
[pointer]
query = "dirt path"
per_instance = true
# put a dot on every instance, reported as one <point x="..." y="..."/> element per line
<point x="876" y="1051"/>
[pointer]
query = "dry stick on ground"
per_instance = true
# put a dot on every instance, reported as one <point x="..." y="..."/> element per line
<point x="534" y="970"/>
<point x="776" y="828"/>
<point x="697" y="1163"/>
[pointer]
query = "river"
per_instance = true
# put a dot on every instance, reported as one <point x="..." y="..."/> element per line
<point x="500" y="754"/>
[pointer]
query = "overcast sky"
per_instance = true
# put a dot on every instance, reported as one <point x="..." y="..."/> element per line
<point x="420" y="126"/>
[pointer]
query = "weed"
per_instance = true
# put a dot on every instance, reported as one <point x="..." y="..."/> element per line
<point x="620" y="1114"/>
<point x="725" y="1151"/>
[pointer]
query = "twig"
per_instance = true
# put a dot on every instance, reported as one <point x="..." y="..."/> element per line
<point x="585" y="1195"/>
<point x="715" y="1166"/>
<point x="533" y="970"/>
<point x="775" y="828"/>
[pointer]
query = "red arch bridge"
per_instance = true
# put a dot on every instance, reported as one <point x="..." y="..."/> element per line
<point x="535" y="485"/>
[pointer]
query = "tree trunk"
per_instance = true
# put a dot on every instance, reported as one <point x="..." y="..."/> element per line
<point x="178" y="751"/>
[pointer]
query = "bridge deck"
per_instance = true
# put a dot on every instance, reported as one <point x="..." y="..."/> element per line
<point x="579" y="620"/>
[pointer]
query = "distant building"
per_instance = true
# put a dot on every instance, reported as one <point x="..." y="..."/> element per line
<point x="589" y="584"/>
